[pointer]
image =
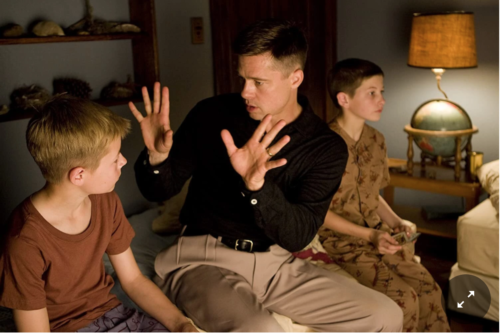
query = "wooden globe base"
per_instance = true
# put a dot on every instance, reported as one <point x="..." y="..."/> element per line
<point x="452" y="162"/>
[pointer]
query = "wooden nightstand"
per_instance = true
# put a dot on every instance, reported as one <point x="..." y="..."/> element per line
<point x="435" y="179"/>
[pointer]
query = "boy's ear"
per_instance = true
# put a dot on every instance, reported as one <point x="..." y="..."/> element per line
<point x="77" y="175"/>
<point x="297" y="77"/>
<point x="343" y="99"/>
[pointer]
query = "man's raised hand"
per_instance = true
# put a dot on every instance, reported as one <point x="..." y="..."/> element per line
<point x="155" y="126"/>
<point x="252" y="161"/>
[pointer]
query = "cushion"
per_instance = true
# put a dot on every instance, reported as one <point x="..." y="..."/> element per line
<point x="477" y="243"/>
<point x="488" y="177"/>
<point x="168" y="221"/>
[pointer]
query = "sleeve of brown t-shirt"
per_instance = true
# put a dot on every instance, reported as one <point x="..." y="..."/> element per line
<point x="122" y="233"/>
<point x="22" y="284"/>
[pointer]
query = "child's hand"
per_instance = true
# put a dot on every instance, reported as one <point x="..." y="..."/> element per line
<point x="407" y="227"/>
<point x="384" y="243"/>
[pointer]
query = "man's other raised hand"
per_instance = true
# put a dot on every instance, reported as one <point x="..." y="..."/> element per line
<point x="253" y="160"/>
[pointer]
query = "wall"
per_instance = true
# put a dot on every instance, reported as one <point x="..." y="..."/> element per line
<point x="380" y="30"/>
<point x="184" y="67"/>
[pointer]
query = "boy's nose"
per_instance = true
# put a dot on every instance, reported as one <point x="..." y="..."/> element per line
<point x="123" y="161"/>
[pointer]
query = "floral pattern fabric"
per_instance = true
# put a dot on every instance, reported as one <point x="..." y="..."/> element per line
<point x="398" y="276"/>
<point x="365" y="174"/>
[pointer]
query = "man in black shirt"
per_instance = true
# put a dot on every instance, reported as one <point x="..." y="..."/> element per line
<point x="264" y="169"/>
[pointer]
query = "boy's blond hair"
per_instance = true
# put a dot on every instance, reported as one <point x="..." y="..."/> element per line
<point x="69" y="132"/>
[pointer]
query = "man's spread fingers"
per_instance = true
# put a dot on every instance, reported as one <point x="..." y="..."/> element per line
<point x="147" y="101"/>
<point x="156" y="98"/>
<point x="165" y="102"/>
<point x="273" y="132"/>
<point x="279" y="145"/>
<point x="228" y="142"/>
<point x="261" y="129"/>
<point x="135" y="111"/>
<point x="275" y="164"/>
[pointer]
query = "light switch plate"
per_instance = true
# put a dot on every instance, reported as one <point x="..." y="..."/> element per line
<point x="197" y="30"/>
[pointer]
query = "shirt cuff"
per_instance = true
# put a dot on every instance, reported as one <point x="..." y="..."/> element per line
<point x="148" y="168"/>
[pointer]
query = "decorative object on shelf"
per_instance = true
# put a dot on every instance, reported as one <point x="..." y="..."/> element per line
<point x="75" y="87"/>
<point x="47" y="28"/>
<point x="29" y="97"/>
<point x="144" y="50"/>
<point x="115" y="90"/>
<point x="88" y="26"/>
<point x="441" y="128"/>
<point x="4" y="109"/>
<point x="11" y="30"/>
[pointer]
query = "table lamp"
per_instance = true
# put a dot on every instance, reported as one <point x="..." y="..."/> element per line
<point x="441" y="128"/>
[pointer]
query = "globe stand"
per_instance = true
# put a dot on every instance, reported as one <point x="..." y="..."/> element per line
<point x="453" y="161"/>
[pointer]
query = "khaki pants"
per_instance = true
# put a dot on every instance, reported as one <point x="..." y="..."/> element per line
<point x="222" y="289"/>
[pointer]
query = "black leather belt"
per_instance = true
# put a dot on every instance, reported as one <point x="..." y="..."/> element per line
<point x="239" y="244"/>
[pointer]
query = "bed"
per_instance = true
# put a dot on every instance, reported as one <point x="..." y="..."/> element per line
<point x="478" y="252"/>
<point x="147" y="243"/>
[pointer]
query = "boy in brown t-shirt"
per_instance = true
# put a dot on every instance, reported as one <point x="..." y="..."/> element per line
<point x="52" y="273"/>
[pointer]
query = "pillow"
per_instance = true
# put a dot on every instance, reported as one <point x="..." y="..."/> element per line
<point x="488" y="177"/>
<point x="168" y="221"/>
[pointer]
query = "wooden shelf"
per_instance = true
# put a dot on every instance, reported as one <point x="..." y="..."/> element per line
<point x="17" y="115"/>
<point x="144" y="52"/>
<point x="443" y="228"/>
<point x="28" y="114"/>
<point x="62" y="39"/>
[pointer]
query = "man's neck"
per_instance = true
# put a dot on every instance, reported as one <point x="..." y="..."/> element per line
<point x="289" y="114"/>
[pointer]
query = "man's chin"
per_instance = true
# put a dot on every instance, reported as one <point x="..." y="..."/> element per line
<point x="256" y="116"/>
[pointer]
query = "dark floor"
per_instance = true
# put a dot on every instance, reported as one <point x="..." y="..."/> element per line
<point x="438" y="255"/>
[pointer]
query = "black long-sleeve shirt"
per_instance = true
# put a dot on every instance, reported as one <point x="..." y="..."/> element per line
<point x="287" y="210"/>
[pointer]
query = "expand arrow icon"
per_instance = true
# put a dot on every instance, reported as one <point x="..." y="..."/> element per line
<point x="459" y="305"/>
<point x="471" y="293"/>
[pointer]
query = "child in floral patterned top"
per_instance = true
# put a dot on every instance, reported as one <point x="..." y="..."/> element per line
<point x="357" y="229"/>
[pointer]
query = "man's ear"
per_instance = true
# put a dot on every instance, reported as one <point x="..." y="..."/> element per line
<point x="343" y="99"/>
<point x="297" y="77"/>
<point x="77" y="175"/>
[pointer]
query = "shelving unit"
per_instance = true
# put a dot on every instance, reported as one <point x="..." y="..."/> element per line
<point x="60" y="39"/>
<point x="144" y="51"/>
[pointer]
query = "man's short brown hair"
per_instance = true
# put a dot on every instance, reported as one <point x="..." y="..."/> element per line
<point x="347" y="75"/>
<point x="69" y="132"/>
<point x="284" y="40"/>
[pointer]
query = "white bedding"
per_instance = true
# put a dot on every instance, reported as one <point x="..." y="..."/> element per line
<point x="478" y="240"/>
<point x="491" y="283"/>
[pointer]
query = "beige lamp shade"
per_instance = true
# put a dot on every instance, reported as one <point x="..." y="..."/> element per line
<point x="443" y="40"/>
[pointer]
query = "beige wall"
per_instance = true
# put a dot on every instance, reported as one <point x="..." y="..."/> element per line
<point x="185" y="67"/>
<point x="379" y="31"/>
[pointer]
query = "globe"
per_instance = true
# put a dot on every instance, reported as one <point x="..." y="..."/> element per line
<point x="440" y="115"/>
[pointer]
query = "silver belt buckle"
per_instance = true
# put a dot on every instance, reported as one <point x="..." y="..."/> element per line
<point x="237" y="244"/>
